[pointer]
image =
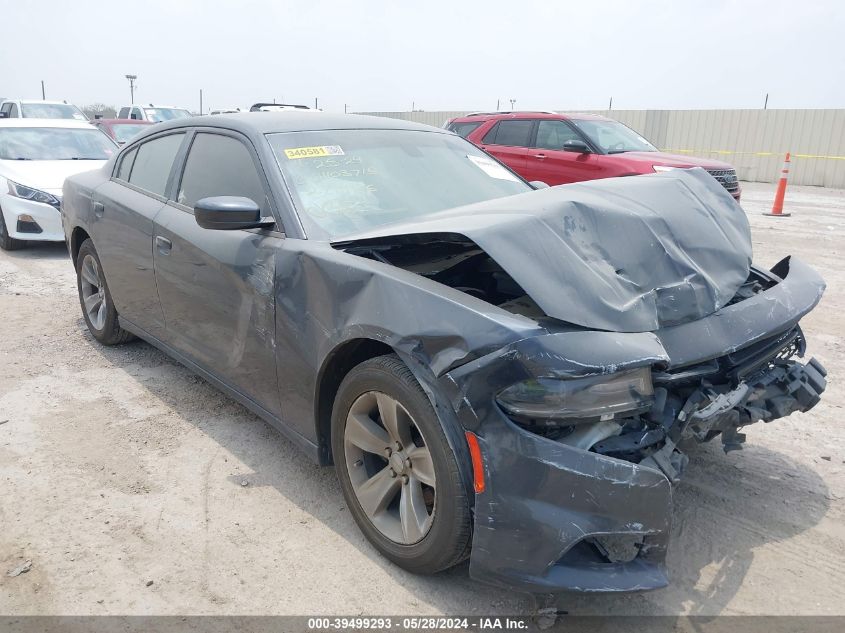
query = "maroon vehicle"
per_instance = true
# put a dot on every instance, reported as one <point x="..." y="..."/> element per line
<point x="121" y="130"/>
<point x="561" y="148"/>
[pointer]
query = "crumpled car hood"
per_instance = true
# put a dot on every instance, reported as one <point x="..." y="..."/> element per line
<point x="624" y="254"/>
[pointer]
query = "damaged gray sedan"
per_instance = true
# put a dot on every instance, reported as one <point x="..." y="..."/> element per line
<point x="496" y="372"/>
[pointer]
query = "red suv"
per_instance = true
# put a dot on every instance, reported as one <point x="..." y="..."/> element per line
<point x="561" y="148"/>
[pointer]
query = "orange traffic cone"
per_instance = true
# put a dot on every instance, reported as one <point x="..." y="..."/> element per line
<point x="777" y="207"/>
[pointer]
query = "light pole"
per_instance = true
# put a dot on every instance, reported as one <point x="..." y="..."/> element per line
<point x="513" y="103"/>
<point x="132" y="79"/>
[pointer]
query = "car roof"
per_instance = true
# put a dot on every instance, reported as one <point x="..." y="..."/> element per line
<point x="293" y="121"/>
<point x="61" y="123"/>
<point x="522" y="114"/>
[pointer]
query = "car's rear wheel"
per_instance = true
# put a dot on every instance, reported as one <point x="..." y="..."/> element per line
<point x="94" y="297"/>
<point x="8" y="243"/>
<point x="396" y="468"/>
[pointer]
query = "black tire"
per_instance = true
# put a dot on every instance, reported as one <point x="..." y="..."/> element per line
<point x="447" y="541"/>
<point x="8" y="243"/>
<point x="111" y="333"/>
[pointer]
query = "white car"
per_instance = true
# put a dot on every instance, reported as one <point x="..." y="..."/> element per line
<point x="153" y="113"/>
<point x="36" y="155"/>
<point x="31" y="109"/>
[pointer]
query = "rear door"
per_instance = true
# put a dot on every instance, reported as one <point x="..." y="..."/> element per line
<point x="122" y="227"/>
<point x="216" y="286"/>
<point x="547" y="161"/>
<point x="508" y="141"/>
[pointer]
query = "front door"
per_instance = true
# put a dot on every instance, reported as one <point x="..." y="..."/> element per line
<point x="548" y="162"/>
<point x="216" y="286"/>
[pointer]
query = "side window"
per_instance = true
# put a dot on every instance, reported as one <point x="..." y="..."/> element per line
<point x="464" y="129"/>
<point x="123" y="114"/>
<point x="219" y="166"/>
<point x="14" y="112"/>
<point x="553" y="134"/>
<point x="136" y="114"/>
<point x="126" y="165"/>
<point x="490" y="137"/>
<point x="512" y="133"/>
<point x="7" y="108"/>
<point x="153" y="162"/>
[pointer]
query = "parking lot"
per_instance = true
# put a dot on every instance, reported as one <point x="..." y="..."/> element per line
<point x="135" y="487"/>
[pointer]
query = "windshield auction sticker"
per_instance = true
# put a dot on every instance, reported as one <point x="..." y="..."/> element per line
<point x="492" y="168"/>
<point x="313" y="152"/>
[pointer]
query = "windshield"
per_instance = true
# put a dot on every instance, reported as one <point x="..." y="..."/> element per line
<point x="126" y="131"/>
<point x="612" y="137"/>
<point x="348" y="181"/>
<point x="44" y="143"/>
<point x="51" y="111"/>
<point x="166" y="114"/>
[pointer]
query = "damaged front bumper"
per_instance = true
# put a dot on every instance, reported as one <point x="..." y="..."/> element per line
<point x="555" y="517"/>
<point x="547" y="508"/>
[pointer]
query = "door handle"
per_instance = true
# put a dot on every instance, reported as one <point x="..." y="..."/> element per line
<point x="99" y="209"/>
<point x="540" y="156"/>
<point x="163" y="245"/>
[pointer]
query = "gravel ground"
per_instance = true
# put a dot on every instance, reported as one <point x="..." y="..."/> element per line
<point x="134" y="487"/>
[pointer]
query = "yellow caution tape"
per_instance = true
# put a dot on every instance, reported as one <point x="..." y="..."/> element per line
<point x="725" y="152"/>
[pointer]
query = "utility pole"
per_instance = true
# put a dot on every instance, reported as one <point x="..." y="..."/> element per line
<point x="200" y="101"/>
<point x="497" y="104"/>
<point x="132" y="79"/>
<point x="43" y="93"/>
<point x="610" y="105"/>
<point x="765" y="103"/>
<point x="344" y="108"/>
<point x="513" y="102"/>
<point x="316" y="107"/>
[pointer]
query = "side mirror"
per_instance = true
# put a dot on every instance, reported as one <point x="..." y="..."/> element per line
<point x="573" y="145"/>
<point x="538" y="184"/>
<point x="228" y="213"/>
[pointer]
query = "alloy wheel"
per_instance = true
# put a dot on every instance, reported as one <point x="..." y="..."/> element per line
<point x="390" y="467"/>
<point x="93" y="292"/>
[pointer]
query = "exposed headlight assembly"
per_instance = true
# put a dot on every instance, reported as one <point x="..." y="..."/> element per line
<point x="557" y="402"/>
<point x="28" y="193"/>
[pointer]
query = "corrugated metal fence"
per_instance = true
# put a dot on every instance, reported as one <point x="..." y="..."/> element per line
<point x="754" y="141"/>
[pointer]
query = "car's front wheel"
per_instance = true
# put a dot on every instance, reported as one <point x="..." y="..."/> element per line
<point x="94" y="297"/>
<point x="396" y="468"/>
<point x="8" y="243"/>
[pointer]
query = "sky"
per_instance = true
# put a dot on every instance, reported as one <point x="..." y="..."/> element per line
<point x="428" y="54"/>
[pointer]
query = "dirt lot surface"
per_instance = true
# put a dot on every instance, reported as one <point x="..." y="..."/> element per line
<point x="119" y="467"/>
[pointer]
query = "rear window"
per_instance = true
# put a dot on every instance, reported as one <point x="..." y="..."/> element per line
<point x="52" y="111"/>
<point x="512" y="133"/>
<point x="166" y="114"/>
<point x="126" y="131"/>
<point x="464" y="129"/>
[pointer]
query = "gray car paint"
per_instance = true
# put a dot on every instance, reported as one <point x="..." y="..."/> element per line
<point x="270" y="317"/>
<point x="573" y="253"/>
